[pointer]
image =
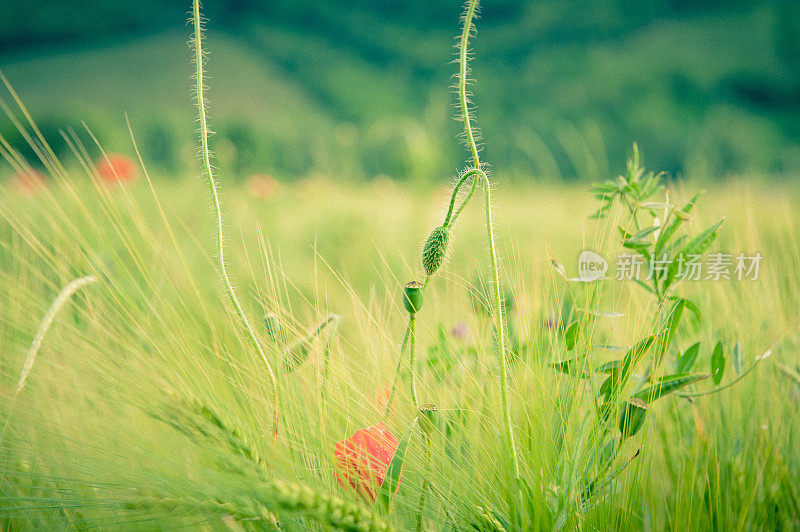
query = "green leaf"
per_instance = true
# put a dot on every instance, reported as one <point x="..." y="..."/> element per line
<point x="694" y="309"/>
<point x="608" y="367"/>
<point x="639" y="240"/>
<point x="687" y="360"/>
<point x="620" y="374"/>
<point x="669" y="384"/>
<point x="571" y="335"/>
<point x="632" y="417"/>
<point x="671" y="321"/>
<point x="736" y="358"/>
<point x="644" y="285"/>
<point x="608" y="384"/>
<point x="391" y="481"/>
<point x="680" y="216"/>
<point x="718" y="363"/>
<point x="572" y="366"/>
<point x="696" y="246"/>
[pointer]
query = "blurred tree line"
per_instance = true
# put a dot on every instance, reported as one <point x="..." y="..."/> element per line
<point x="706" y="87"/>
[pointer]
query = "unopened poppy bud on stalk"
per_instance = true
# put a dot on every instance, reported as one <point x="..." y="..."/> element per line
<point x="428" y="418"/>
<point x="413" y="297"/>
<point x="435" y="249"/>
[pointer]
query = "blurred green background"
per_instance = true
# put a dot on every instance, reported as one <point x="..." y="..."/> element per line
<point x="356" y="90"/>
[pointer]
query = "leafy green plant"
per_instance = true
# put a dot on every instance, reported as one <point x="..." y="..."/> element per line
<point x="656" y="232"/>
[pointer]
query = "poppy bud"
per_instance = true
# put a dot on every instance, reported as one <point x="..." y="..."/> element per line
<point x="435" y="249"/>
<point x="428" y="418"/>
<point x="412" y="297"/>
<point x="632" y="418"/>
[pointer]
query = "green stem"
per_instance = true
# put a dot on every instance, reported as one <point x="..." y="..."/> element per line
<point x="412" y="320"/>
<point x="400" y="360"/>
<point x="462" y="81"/>
<point x="206" y="156"/>
<point x="499" y="324"/>
<point x="396" y="374"/>
<point x="498" y="310"/>
<point x="733" y="382"/>
<point x="421" y="506"/>
<point x="451" y="218"/>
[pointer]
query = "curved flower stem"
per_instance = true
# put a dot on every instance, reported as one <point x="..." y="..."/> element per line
<point x="206" y="156"/>
<point x="500" y="325"/>
<point x="450" y="218"/>
<point x="479" y="173"/>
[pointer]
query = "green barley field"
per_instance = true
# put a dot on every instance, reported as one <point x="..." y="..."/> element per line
<point x="195" y="345"/>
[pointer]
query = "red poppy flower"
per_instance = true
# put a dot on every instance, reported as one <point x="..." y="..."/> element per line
<point x="116" y="168"/>
<point x="28" y="182"/>
<point x="363" y="459"/>
<point x="262" y="186"/>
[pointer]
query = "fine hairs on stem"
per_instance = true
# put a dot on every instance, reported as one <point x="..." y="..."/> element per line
<point x="478" y="173"/>
<point x="436" y="246"/>
<point x="206" y="157"/>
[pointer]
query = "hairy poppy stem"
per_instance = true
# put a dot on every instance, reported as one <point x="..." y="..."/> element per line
<point x="479" y="173"/>
<point x="206" y="157"/>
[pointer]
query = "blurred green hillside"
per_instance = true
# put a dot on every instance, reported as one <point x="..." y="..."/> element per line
<point x="355" y="90"/>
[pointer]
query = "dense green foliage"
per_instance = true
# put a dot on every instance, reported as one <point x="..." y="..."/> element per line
<point x="353" y="89"/>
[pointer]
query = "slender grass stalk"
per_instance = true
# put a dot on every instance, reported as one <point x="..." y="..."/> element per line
<point x="478" y="172"/>
<point x="206" y="156"/>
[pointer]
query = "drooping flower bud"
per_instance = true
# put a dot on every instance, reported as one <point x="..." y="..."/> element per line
<point x="435" y="249"/>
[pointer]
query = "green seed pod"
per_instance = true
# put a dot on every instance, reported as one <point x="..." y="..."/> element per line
<point x="632" y="418"/>
<point x="413" y="297"/>
<point x="435" y="249"/>
<point x="428" y="418"/>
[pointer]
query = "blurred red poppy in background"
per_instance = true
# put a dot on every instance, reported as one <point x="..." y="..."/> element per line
<point x="363" y="459"/>
<point x="262" y="186"/>
<point x="116" y="168"/>
<point x="28" y="182"/>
